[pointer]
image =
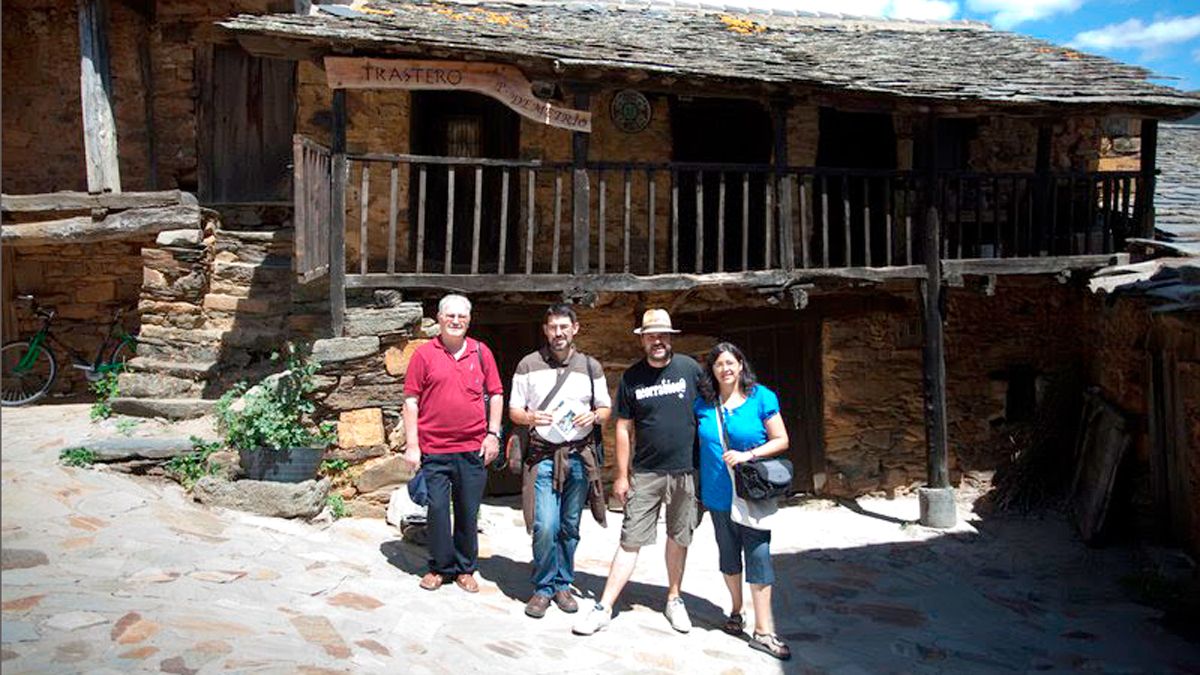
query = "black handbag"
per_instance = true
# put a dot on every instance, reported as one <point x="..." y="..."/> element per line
<point x="760" y="479"/>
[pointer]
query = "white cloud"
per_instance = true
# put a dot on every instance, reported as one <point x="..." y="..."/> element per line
<point x="934" y="10"/>
<point x="1133" y="34"/>
<point x="1009" y="13"/>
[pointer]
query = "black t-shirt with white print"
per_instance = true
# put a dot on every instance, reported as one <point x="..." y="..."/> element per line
<point x="659" y="401"/>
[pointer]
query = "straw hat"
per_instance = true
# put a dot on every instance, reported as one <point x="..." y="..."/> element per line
<point x="655" y="321"/>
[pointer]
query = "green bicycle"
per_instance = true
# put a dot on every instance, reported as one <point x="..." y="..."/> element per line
<point x="28" y="367"/>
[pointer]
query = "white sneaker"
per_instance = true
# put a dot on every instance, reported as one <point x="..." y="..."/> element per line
<point x="677" y="614"/>
<point x="595" y="619"/>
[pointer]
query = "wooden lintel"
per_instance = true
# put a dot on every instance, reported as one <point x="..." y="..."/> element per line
<point x="84" y="230"/>
<point x="277" y="48"/>
<point x="82" y="201"/>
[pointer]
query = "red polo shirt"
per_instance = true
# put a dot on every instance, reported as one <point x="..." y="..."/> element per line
<point x="449" y="395"/>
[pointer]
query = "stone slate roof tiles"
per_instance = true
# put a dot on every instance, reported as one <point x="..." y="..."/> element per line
<point x="1177" y="190"/>
<point x="954" y="60"/>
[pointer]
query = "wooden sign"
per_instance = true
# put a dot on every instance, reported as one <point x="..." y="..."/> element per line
<point x="502" y="82"/>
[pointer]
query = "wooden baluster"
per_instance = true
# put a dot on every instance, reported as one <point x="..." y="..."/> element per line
<point x="1071" y="247"/>
<point x="364" y="198"/>
<point x="1014" y="216"/>
<point x="769" y="221"/>
<point x="745" y="221"/>
<point x="601" y="222"/>
<point x="1051" y="247"/>
<point x="887" y="219"/>
<point x="908" y="223"/>
<point x="958" y="228"/>
<point x="1091" y="214"/>
<point x="1108" y="199"/>
<point x="824" y="221"/>
<point x="699" y="222"/>
<point x="720" y="245"/>
<point x="393" y="212"/>
<point x="300" y="195"/>
<point x="846" y="216"/>
<point x="674" y="222"/>
<point x="1125" y="211"/>
<point x="421" y="183"/>
<point x="447" y="266"/>
<point x="628" y="216"/>
<point x="504" y="183"/>
<point x="478" y="220"/>
<point x="805" y="224"/>
<point x="867" y="220"/>
<point x="557" y="220"/>
<point x="651" y="189"/>
<point x="530" y="210"/>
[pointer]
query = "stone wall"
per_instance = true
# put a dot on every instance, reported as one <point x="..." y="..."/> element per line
<point x="86" y="284"/>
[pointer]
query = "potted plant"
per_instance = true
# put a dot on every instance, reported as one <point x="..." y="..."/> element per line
<point x="270" y="424"/>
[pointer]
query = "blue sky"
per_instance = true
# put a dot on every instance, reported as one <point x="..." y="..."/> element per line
<point x="1161" y="35"/>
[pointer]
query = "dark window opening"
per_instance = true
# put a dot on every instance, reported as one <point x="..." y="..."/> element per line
<point x="457" y="124"/>
<point x="721" y="131"/>
<point x="854" y="141"/>
<point x="1021" y="396"/>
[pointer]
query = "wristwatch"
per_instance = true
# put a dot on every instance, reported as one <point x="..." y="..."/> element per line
<point x="493" y="433"/>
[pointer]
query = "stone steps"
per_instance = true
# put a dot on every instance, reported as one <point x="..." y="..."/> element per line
<point x="195" y="370"/>
<point x="170" y="408"/>
<point x="158" y="385"/>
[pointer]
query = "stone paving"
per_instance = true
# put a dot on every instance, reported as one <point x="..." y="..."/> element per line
<point x="103" y="572"/>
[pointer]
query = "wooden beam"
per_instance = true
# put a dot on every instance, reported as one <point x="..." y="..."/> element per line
<point x="82" y="201"/>
<point x="83" y="229"/>
<point x="337" y="219"/>
<point x="95" y="87"/>
<point x="1145" y="196"/>
<point x="1023" y="266"/>
<point x="934" y="356"/>
<point x="146" y="71"/>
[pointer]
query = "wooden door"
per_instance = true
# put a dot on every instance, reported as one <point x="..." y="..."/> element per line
<point x="247" y="118"/>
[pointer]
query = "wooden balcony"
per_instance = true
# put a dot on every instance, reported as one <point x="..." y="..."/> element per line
<point x="509" y="225"/>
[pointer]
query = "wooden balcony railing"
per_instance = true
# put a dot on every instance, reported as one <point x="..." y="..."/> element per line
<point x="507" y="224"/>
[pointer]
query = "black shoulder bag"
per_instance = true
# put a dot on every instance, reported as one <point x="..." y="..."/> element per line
<point x="760" y="478"/>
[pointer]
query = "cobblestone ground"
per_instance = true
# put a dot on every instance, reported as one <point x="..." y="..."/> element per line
<point x="103" y="572"/>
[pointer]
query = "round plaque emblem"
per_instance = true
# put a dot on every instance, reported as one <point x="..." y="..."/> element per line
<point x="630" y="111"/>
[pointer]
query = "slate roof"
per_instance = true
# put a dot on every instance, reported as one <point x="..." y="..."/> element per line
<point x="1177" y="191"/>
<point x="938" y="60"/>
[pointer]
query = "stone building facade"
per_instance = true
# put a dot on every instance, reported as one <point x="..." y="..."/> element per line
<point x="214" y="302"/>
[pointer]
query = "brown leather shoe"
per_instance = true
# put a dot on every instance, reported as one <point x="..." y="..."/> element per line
<point x="432" y="581"/>
<point x="537" y="606"/>
<point x="566" y="602"/>
<point x="467" y="583"/>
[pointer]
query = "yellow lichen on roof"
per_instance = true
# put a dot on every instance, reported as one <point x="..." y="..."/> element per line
<point x="363" y="7"/>
<point x="478" y="14"/>
<point x="742" y="26"/>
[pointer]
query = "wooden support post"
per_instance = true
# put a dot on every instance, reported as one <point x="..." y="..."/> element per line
<point x="581" y="212"/>
<point x="1145" y="193"/>
<point x="1040" y="236"/>
<point x="337" y="219"/>
<point x="779" y="121"/>
<point x="934" y="356"/>
<point x="95" y="88"/>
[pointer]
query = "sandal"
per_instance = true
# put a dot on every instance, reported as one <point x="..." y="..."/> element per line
<point x="735" y="624"/>
<point x="770" y="643"/>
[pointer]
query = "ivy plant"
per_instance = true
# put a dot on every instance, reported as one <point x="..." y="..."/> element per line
<point x="274" y="414"/>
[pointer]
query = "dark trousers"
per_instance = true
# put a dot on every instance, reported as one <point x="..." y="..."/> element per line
<point x="457" y="478"/>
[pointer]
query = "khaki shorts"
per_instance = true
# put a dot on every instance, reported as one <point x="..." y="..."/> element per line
<point x="647" y="491"/>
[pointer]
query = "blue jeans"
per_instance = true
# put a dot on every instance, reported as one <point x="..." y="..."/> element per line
<point x="556" y="526"/>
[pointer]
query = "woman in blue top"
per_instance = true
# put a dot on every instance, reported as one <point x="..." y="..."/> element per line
<point x="750" y="415"/>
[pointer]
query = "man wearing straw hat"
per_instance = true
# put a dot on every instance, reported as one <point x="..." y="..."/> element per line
<point x="654" y="411"/>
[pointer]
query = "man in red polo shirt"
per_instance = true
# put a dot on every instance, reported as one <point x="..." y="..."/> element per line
<point x="453" y="400"/>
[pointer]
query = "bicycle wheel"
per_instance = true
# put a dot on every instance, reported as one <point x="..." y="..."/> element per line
<point x="123" y="352"/>
<point x="22" y="384"/>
